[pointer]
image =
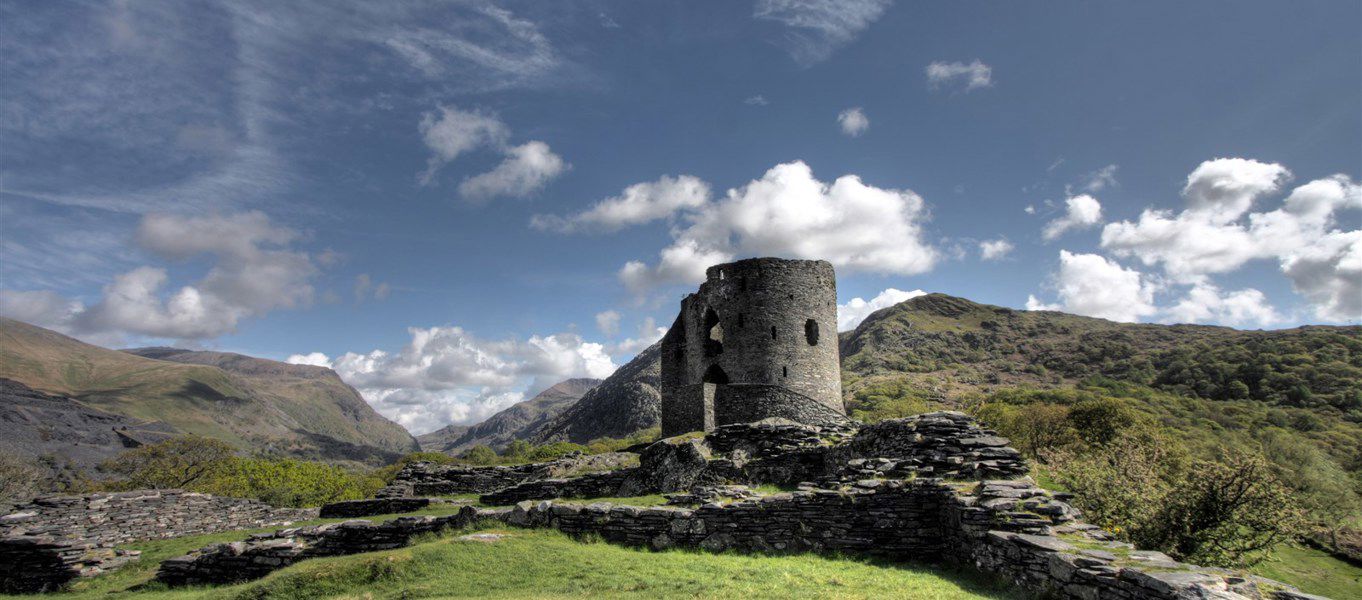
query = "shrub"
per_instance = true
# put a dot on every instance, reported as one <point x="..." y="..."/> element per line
<point x="289" y="482"/>
<point x="19" y="480"/>
<point x="178" y="462"/>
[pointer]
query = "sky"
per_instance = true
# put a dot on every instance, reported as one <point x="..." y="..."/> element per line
<point x="458" y="204"/>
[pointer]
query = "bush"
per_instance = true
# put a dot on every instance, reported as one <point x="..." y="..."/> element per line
<point x="178" y="462"/>
<point x="289" y="482"/>
<point x="19" y="480"/>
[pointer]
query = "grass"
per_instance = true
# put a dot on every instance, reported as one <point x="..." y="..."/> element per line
<point x="1313" y="571"/>
<point x="548" y="564"/>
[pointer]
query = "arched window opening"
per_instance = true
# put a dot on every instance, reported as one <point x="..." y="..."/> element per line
<point x="715" y="374"/>
<point x="714" y="334"/>
<point x="773" y="332"/>
<point x="811" y="332"/>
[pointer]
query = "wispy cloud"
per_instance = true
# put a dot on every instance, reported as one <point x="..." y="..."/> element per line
<point x="814" y="29"/>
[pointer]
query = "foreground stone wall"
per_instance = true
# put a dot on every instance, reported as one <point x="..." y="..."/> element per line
<point x="1009" y="527"/>
<point x="53" y="539"/>
<point x="430" y="479"/>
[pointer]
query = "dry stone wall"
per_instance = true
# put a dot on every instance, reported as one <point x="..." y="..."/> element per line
<point x="50" y="540"/>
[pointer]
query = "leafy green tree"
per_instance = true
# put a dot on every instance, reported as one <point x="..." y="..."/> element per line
<point x="1099" y="420"/>
<point x="178" y="462"/>
<point x="480" y="455"/>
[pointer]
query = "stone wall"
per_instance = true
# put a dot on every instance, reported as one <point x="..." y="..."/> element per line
<point x="430" y="479"/>
<point x="1009" y="527"/>
<point x="50" y="540"/>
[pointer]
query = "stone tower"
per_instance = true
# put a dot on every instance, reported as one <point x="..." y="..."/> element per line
<point x="758" y="340"/>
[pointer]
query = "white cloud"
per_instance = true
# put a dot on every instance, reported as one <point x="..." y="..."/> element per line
<point x="316" y="359"/>
<point x="254" y="272"/>
<point x="1030" y="209"/>
<point x="757" y="100"/>
<point x="648" y="334"/>
<point x="43" y="308"/>
<point x="526" y="170"/>
<point x="447" y="375"/>
<point x="639" y="203"/>
<point x="815" y="28"/>
<point x="1205" y="303"/>
<point x="1216" y="233"/>
<point x="789" y="213"/>
<point x="995" y="249"/>
<point x="454" y="132"/>
<point x="958" y="75"/>
<point x="366" y="289"/>
<point x="853" y="121"/>
<point x="608" y="322"/>
<point x="1221" y="190"/>
<point x="1100" y="179"/>
<point x="855" y="310"/>
<point x="1083" y="211"/>
<point x="1091" y="285"/>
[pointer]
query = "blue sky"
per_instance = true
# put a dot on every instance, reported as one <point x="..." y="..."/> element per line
<point x="456" y="204"/>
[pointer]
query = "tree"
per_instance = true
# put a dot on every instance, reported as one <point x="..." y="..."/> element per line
<point x="1100" y="420"/>
<point x="480" y="455"/>
<point x="174" y="463"/>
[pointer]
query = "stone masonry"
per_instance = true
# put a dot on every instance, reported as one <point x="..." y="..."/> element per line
<point x="758" y="340"/>
<point x="52" y="539"/>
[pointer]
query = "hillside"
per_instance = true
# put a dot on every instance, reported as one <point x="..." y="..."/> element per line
<point x="949" y="345"/>
<point x="519" y="422"/>
<point x="627" y="401"/>
<point x="255" y="404"/>
<point x="64" y="436"/>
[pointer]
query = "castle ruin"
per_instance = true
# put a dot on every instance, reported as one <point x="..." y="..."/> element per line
<point x="758" y="340"/>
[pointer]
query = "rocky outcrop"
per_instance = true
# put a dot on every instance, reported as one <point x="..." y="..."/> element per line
<point x="627" y="401"/>
<point x="940" y="444"/>
<point x="51" y="540"/>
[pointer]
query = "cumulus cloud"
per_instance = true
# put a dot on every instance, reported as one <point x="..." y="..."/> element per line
<point x="1091" y="285"/>
<point x="450" y="132"/>
<point x="995" y="249"/>
<point x="1216" y="232"/>
<point x="788" y="212"/>
<point x="1205" y="303"/>
<point x="526" y="169"/>
<point x="637" y="204"/>
<point x="959" y="76"/>
<point x="43" y="308"/>
<point x="815" y="28"/>
<point x="853" y="121"/>
<point x="855" y="310"/>
<point x="1083" y="211"/>
<point x="254" y="272"/>
<point x="648" y="334"/>
<point x="608" y="322"/>
<point x="447" y="375"/>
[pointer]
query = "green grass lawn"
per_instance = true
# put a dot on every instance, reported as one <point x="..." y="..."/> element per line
<point x="548" y="564"/>
<point x="1313" y="571"/>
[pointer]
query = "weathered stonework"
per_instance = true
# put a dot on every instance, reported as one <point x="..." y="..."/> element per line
<point x="429" y="479"/>
<point x="53" y="539"/>
<point x="758" y="340"/>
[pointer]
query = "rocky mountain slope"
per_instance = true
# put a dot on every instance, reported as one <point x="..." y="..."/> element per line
<point x="519" y="422"/>
<point x="256" y="404"/>
<point x="627" y="401"/>
<point x="62" y="435"/>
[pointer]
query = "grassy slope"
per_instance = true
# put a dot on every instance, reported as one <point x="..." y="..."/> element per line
<point x="1313" y="571"/>
<point x="547" y="564"/>
<point x="245" y="410"/>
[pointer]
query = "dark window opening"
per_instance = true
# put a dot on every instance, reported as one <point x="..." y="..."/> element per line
<point x="740" y="320"/>
<point x="773" y="332"/>
<point x="714" y="334"/>
<point x="715" y="374"/>
<point x="785" y="371"/>
<point x="811" y="332"/>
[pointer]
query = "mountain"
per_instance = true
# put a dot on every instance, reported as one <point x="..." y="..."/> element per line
<point x="947" y="346"/>
<point x="255" y="404"/>
<point x="627" y="401"/>
<point x="64" y="436"/>
<point x="519" y="422"/>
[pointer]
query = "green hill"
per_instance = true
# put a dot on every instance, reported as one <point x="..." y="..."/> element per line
<point x="253" y="403"/>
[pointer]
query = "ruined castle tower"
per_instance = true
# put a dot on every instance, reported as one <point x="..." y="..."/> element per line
<point x="758" y="340"/>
